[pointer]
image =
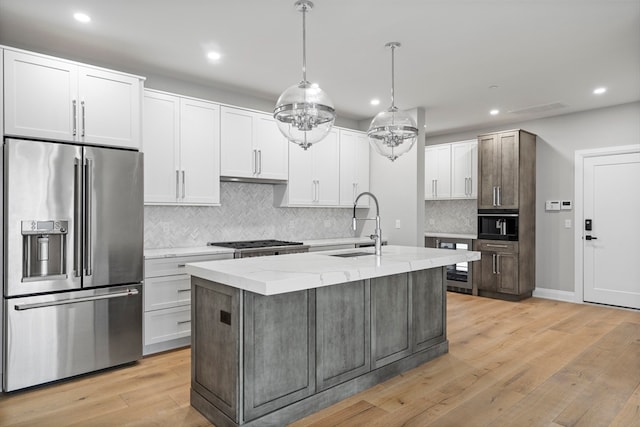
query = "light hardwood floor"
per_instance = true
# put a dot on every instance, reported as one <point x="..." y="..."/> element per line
<point x="533" y="363"/>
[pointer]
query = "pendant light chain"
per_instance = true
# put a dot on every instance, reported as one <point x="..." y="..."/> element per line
<point x="393" y="78"/>
<point x="304" y="42"/>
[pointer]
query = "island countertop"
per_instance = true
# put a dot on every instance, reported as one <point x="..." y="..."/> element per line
<point x="280" y="274"/>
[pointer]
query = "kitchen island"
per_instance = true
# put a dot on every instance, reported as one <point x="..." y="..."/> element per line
<point x="277" y="338"/>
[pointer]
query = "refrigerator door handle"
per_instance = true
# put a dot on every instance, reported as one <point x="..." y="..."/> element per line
<point x="22" y="307"/>
<point x="88" y="252"/>
<point x="77" y="220"/>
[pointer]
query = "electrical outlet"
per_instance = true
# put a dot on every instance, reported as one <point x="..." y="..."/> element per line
<point x="397" y="223"/>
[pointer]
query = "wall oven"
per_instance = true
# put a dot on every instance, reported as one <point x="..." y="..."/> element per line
<point x="494" y="225"/>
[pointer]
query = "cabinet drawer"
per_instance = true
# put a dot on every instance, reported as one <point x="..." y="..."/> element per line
<point x="155" y="267"/>
<point x="167" y="292"/>
<point x="166" y="325"/>
<point x="496" y="246"/>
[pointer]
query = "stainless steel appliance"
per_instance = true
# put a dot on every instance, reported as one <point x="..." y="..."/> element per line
<point x="496" y="225"/>
<point x="73" y="257"/>
<point x="252" y="248"/>
<point x="459" y="276"/>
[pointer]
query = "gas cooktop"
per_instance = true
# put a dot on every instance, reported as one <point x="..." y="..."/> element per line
<point x="251" y="244"/>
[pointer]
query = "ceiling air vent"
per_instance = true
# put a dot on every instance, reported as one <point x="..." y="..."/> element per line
<point x="539" y="108"/>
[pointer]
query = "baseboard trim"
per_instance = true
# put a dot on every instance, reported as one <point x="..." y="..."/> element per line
<point x="555" y="294"/>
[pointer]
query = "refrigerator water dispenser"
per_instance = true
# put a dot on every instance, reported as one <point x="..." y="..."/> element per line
<point x="44" y="250"/>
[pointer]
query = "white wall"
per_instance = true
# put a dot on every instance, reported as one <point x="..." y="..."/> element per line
<point x="399" y="187"/>
<point x="558" y="138"/>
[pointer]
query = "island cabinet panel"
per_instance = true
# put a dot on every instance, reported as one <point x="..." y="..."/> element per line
<point x="279" y="356"/>
<point x="429" y="313"/>
<point x="216" y="345"/>
<point x="343" y="346"/>
<point x="391" y="319"/>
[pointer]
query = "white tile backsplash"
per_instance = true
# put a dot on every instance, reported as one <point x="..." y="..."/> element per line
<point x="247" y="213"/>
<point x="451" y="216"/>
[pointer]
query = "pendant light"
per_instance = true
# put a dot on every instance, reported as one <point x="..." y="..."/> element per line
<point x="304" y="112"/>
<point x="392" y="132"/>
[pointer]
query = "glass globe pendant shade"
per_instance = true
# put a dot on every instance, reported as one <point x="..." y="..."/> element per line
<point x="392" y="133"/>
<point x="304" y="114"/>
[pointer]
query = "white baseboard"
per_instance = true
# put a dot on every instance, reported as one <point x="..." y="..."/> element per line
<point x="555" y="294"/>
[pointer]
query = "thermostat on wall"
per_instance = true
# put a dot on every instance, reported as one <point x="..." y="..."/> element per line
<point x="552" y="205"/>
<point x="566" y="205"/>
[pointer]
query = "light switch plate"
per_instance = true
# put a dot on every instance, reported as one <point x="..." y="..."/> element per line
<point x="552" y="205"/>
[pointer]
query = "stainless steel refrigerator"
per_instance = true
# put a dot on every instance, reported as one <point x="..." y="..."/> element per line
<point x="73" y="260"/>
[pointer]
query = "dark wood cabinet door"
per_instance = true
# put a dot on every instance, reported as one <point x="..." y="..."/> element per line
<point x="390" y="319"/>
<point x="507" y="272"/>
<point x="488" y="170"/>
<point x="429" y="301"/>
<point x="343" y="346"/>
<point x="509" y="165"/>
<point x="487" y="280"/>
<point x="279" y="350"/>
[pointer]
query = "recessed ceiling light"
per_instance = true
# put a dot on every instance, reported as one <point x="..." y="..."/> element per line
<point x="214" y="56"/>
<point x="494" y="112"/>
<point x="82" y="17"/>
<point x="374" y="101"/>
<point x="600" y="90"/>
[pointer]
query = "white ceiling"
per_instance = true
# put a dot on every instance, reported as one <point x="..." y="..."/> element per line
<point x="538" y="52"/>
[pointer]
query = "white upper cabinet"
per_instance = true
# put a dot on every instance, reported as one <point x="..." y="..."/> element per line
<point x="182" y="150"/>
<point x="464" y="169"/>
<point x="451" y="171"/>
<point x="313" y="174"/>
<point x="61" y="100"/>
<point x="437" y="172"/>
<point x="354" y="167"/>
<point x="252" y="146"/>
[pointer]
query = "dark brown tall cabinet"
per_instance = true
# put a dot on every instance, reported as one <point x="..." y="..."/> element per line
<point x="507" y="185"/>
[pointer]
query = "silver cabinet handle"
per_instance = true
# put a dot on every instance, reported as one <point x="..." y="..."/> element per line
<point x="88" y="194"/>
<point x="259" y="162"/>
<point x="177" y="184"/>
<point x="498" y="264"/>
<point x="493" y="258"/>
<point x="77" y="213"/>
<point x="75" y="116"/>
<point x="490" y="245"/>
<point x="495" y="197"/>
<point x="254" y="162"/>
<point x="183" y="185"/>
<point x="499" y="193"/>
<point x="127" y="293"/>
<point x="83" y="118"/>
<point x="436" y="188"/>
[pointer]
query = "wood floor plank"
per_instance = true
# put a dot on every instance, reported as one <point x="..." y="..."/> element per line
<point x="532" y="363"/>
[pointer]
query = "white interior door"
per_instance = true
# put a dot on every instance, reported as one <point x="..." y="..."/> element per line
<point x="611" y="249"/>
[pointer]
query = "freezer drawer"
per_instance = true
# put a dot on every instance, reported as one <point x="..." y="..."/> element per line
<point x="50" y="337"/>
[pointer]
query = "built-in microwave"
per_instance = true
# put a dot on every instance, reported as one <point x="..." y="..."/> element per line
<point x="498" y="225"/>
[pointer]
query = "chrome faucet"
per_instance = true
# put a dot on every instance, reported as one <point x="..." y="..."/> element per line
<point x="377" y="235"/>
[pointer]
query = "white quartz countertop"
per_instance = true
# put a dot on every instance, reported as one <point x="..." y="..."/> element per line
<point x="175" y="252"/>
<point x="272" y="275"/>
<point x="450" y="235"/>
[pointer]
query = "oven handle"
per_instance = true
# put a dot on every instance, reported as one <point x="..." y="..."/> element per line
<point x="128" y="292"/>
<point x="500" y="215"/>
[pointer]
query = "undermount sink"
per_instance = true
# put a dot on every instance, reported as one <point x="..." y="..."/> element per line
<point x="352" y="254"/>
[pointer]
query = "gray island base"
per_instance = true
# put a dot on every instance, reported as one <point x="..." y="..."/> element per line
<point x="268" y="360"/>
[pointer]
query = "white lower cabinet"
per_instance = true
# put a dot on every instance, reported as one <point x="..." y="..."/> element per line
<point x="167" y="302"/>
